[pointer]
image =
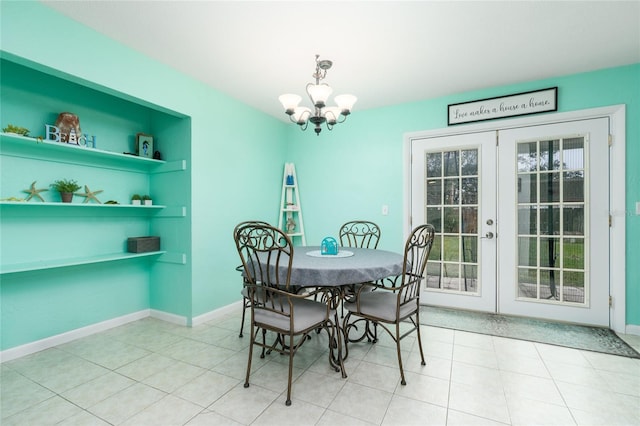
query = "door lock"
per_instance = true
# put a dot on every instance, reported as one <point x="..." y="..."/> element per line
<point x="488" y="236"/>
<point x="489" y="221"/>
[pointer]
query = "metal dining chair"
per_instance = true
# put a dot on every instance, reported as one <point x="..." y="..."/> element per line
<point x="267" y="254"/>
<point x="244" y="291"/>
<point x="363" y="234"/>
<point x="387" y="306"/>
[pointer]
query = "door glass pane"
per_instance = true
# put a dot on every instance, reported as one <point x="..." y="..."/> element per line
<point x="527" y="188"/>
<point x="573" y="153"/>
<point x="573" y="253"/>
<point x="452" y="207"/>
<point x="527" y="251"/>
<point x="573" y="286"/>
<point x="434" y="276"/>
<point x="470" y="190"/>
<point x="549" y="187"/>
<point x="528" y="283"/>
<point x="433" y="216"/>
<point x="551" y="223"/>
<point x="550" y="220"/>
<point x="527" y="157"/>
<point x="469" y="162"/>
<point x="451" y="220"/>
<point x="573" y="186"/>
<point x="451" y="191"/>
<point x="549" y="250"/>
<point x="549" y="155"/>
<point x="450" y="163"/>
<point x="527" y="220"/>
<point x="434" y="164"/>
<point x="469" y="220"/>
<point x="470" y="249"/>
<point x="434" y="192"/>
<point x="574" y="220"/>
<point x="451" y="248"/>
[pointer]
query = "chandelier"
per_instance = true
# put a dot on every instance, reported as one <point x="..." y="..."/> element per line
<point x="318" y="93"/>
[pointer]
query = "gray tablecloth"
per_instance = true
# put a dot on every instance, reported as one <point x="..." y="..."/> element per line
<point x="365" y="265"/>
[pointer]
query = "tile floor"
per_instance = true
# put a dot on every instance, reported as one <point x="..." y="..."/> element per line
<point x="150" y="372"/>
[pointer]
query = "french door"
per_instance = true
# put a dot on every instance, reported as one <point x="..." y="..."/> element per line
<point x="453" y="188"/>
<point x="521" y="219"/>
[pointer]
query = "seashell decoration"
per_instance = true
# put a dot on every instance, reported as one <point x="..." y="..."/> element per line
<point x="69" y="125"/>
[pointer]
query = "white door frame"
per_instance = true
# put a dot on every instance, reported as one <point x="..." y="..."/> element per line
<point x="617" y="188"/>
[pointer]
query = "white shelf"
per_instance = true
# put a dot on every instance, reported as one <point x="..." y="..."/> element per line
<point x="21" y="146"/>
<point x="63" y="263"/>
<point x="36" y="204"/>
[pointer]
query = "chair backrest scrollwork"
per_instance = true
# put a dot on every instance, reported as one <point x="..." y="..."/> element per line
<point x="266" y="253"/>
<point x="359" y="233"/>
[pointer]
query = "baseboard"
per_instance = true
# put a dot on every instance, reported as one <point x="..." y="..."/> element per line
<point x="59" y="339"/>
<point x="217" y="313"/>
<point x="632" y="329"/>
<point x="165" y="316"/>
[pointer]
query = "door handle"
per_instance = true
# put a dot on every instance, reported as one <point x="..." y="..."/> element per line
<point x="488" y="236"/>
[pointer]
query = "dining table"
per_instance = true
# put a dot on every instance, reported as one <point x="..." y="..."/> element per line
<point x="337" y="273"/>
<point x="351" y="265"/>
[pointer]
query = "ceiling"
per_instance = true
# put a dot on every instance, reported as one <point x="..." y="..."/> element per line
<point x="385" y="53"/>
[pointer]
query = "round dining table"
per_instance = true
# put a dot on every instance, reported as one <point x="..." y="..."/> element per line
<point x="351" y="265"/>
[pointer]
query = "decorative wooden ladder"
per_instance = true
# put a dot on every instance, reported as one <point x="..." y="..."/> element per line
<point x="290" y="220"/>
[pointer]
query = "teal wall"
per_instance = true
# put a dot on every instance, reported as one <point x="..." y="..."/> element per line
<point x="236" y="159"/>
<point x="331" y="173"/>
<point x="235" y="151"/>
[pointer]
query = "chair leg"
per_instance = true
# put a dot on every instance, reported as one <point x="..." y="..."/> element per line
<point x="402" y="380"/>
<point x="291" y="352"/>
<point x="244" y="310"/>
<point x="253" y="336"/>
<point x="264" y="342"/>
<point x="419" y="339"/>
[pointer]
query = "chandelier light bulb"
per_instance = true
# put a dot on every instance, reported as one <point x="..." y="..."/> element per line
<point x="289" y="101"/>
<point x="319" y="93"/>
<point x="345" y="103"/>
<point x="332" y="114"/>
<point x="301" y="115"/>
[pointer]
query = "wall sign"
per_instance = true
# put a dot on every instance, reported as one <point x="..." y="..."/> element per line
<point x="525" y="103"/>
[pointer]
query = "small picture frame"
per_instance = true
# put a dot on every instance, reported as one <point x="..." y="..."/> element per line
<point x="144" y="145"/>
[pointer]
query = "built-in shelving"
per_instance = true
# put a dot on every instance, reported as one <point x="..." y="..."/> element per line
<point x="68" y="262"/>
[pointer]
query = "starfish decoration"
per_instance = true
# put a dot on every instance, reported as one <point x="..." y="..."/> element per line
<point x="33" y="192"/>
<point x="90" y="195"/>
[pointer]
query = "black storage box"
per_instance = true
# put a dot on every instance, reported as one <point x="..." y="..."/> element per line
<point x="143" y="244"/>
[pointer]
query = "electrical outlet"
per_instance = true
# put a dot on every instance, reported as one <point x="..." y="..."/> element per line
<point x="638" y="207"/>
<point x="385" y="210"/>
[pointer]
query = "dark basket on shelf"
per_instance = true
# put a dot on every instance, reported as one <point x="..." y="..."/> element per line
<point x="143" y="244"/>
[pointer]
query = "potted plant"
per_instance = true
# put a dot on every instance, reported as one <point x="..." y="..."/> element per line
<point x="147" y="201"/>
<point x="135" y="199"/>
<point x="66" y="187"/>
<point x="22" y="131"/>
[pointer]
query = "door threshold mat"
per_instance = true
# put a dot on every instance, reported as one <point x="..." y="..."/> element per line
<point x="596" y="339"/>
